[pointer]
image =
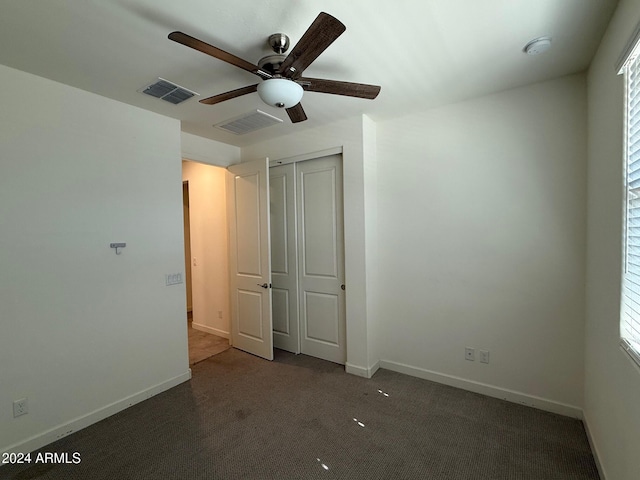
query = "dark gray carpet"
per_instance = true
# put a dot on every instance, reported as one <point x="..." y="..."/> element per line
<point x="298" y="417"/>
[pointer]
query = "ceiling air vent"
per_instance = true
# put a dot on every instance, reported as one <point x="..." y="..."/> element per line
<point x="248" y="122"/>
<point x="167" y="91"/>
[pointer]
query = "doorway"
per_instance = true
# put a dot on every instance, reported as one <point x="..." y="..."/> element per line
<point x="206" y="270"/>
<point x="187" y="246"/>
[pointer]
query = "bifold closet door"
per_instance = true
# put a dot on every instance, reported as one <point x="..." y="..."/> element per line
<point x="284" y="271"/>
<point x="319" y="206"/>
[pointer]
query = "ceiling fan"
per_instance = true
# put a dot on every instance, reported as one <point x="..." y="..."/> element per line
<point x="282" y="81"/>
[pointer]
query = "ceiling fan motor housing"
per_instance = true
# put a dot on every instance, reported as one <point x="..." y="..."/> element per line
<point x="279" y="43"/>
<point x="271" y="63"/>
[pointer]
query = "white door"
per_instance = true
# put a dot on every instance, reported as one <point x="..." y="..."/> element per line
<point x="250" y="266"/>
<point x="284" y="272"/>
<point x="321" y="258"/>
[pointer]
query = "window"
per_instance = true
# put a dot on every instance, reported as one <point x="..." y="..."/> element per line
<point x="630" y="301"/>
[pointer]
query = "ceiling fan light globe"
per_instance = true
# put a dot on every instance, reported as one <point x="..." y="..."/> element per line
<point x="280" y="92"/>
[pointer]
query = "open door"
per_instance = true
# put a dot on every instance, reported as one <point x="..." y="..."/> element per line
<point x="250" y="262"/>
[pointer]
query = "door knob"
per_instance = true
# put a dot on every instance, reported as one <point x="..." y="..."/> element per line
<point x="263" y="285"/>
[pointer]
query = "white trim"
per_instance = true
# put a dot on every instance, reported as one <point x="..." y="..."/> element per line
<point x="56" y="433"/>
<point x="484" y="389"/>
<point x="629" y="355"/>
<point x="628" y="51"/>
<point x="374" y="368"/>
<point x="306" y="156"/>
<point x="366" y="372"/>
<point x="207" y="329"/>
<point x="594" y="449"/>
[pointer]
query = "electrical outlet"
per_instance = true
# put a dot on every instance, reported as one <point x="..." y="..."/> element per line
<point x="219" y="313"/>
<point x="484" y="356"/>
<point x="20" y="407"/>
<point x="470" y="354"/>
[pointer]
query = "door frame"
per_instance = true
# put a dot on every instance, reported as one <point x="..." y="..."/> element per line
<point x="307" y="156"/>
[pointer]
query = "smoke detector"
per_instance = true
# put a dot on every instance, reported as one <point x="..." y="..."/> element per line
<point x="537" y="46"/>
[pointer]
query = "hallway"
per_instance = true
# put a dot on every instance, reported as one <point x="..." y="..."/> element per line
<point x="203" y="345"/>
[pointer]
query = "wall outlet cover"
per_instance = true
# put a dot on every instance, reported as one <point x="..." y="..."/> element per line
<point x="20" y="407"/>
<point x="470" y="354"/>
<point x="484" y="356"/>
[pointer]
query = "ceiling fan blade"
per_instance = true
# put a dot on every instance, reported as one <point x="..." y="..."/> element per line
<point x="229" y="95"/>
<point x="349" y="89"/>
<point x="191" y="42"/>
<point x="323" y="32"/>
<point x="296" y="113"/>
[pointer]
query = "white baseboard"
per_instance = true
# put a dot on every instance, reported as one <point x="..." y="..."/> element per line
<point x="40" y="440"/>
<point x="374" y="368"/>
<point x="215" y="331"/>
<point x="361" y="371"/>
<point x="594" y="448"/>
<point x="485" y="389"/>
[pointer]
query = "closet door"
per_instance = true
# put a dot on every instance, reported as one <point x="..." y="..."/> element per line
<point x="284" y="272"/>
<point x="321" y="258"/>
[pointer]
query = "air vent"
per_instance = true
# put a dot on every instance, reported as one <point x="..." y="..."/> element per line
<point x="167" y="91"/>
<point x="248" y="122"/>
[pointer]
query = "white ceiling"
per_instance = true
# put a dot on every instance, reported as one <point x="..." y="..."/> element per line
<point x="423" y="53"/>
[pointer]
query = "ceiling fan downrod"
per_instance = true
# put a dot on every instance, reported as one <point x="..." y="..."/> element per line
<point x="279" y="42"/>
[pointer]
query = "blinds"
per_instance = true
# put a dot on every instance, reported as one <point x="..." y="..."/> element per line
<point x="630" y="308"/>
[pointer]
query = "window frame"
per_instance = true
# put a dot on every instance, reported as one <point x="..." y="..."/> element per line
<point x="629" y="66"/>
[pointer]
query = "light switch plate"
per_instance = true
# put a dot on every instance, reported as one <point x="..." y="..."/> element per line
<point x="173" y="278"/>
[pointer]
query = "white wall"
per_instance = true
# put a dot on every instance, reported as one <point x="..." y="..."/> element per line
<point x="612" y="381"/>
<point x="85" y="332"/>
<point x="347" y="134"/>
<point x="208" y="151"/>
<point x="209" y="247"/>
<point x="370" y="159"/>
<point x="481" y="243"/>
